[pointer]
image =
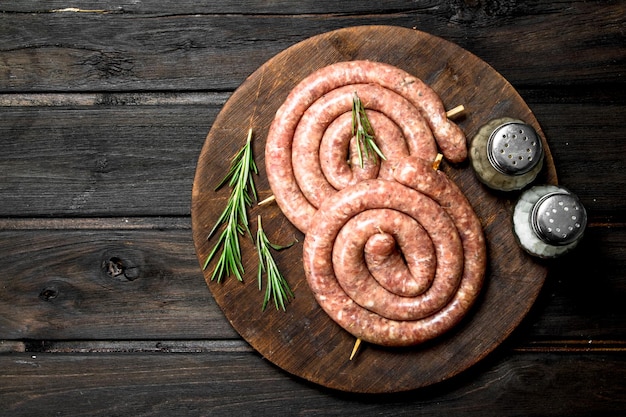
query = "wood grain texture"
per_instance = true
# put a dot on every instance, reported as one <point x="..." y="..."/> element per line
<point x="104" y="284"/>
<point x="55" y="287"/>
<point x="240" y="384"/>
<point x="124" y="154"/>
<point x="305" y="341"/>
<point x="174" y="7"/>
<point x="184" y="50"/>
<point x="165" y="68"/>
<point x="100" y="160"/>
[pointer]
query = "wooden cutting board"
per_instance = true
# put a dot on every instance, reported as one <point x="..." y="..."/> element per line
<point x="303" y="340"/>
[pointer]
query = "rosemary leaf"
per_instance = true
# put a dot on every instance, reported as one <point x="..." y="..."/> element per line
<point x="234" y="216"/>
<point x="362" y="130"/>
<point x="277" y="287"/>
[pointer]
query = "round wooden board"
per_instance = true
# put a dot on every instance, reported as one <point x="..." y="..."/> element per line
<point x="303" y="340"/>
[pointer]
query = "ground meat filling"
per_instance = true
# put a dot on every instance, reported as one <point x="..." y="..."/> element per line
<point x="393" y="251"/>
<point x="394" y="219"/>
<point x="297" y="164"/>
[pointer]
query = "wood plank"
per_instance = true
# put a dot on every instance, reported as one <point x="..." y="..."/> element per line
<point x="91" y="223"/>
<point x="55" y="286"/>
<point x="94" y="160"/>
<point x="584" y="292"/>
<point x="128" y="159"/>
<point x="579" y="129"/>
<point x="242" y="384"/>
<point x="35" y="347"/>
<point x="73" y="51"/>
<point x="105" y="284"/>
<point x="214" y="7"/>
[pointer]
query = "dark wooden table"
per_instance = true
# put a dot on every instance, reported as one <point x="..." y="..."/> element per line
<point x="103" y="112"/>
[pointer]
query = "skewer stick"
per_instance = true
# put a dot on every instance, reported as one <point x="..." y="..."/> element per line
<point x="437" y="161"/>
<point x="267" y="200"/>
<point x="452" y="113"/>
<point x="357" y="344"/>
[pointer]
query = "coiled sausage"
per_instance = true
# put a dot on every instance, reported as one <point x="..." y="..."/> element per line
<point x="281" y="151"/>
<point x="374" y="311"/>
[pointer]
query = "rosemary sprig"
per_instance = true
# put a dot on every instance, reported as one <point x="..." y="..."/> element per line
<point x="239" y="178"/>
<point x="362" y="129"/>
<point x="277" y="287"/>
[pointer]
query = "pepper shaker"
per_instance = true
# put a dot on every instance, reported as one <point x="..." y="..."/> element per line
<point x="549" y="221"/>
<point x="506" y="154"/>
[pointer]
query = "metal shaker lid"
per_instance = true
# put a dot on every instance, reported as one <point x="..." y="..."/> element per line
<point x="514" y="148"/>
<point x="559" y="218"/>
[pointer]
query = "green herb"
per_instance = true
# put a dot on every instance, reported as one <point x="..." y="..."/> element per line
<point x="362" y="129"/>
<point x="277" y="287"/>
<point x="234" y="216"/>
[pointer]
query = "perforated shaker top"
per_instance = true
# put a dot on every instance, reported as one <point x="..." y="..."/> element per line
<point x="559" y="218"/>
<point x="514" y="148"/>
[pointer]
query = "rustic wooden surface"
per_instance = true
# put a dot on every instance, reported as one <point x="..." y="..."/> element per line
<point x="305" y="341"/>
<point x="103" y="113"/>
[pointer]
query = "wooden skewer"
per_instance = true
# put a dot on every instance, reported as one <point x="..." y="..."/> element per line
<point x="452" y="113"/>
<point x="267" y="200"/>
<point x="437" y="161"/>
<point x="355" y="348"/>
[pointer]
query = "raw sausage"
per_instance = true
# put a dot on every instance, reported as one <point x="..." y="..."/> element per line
<point x="278" y="151"/>
<point x="339" y="156"/>
<point x="393" y="251"/>
<point x="403" y="262"/>
<point x="425" y="196"/>
<point x="430" y="293"/>
<point x="308" y="135"/>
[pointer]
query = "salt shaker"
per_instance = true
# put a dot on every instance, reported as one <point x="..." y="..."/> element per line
<point x="506" y="154"/>
<point x="549" y="221"/>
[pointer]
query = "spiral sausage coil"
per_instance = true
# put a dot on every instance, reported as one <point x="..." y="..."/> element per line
<point x="371" y="308"/>
<point x="294" y="139"/>
<point x="393" y="251"/>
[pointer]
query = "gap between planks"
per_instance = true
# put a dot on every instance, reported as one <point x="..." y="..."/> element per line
<point x="124" y="346"/>
<point x="97" y="223"/>
<point x="59" y="99"/>
<point x="573" y="346"/>
<point x="237" y="345"/>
